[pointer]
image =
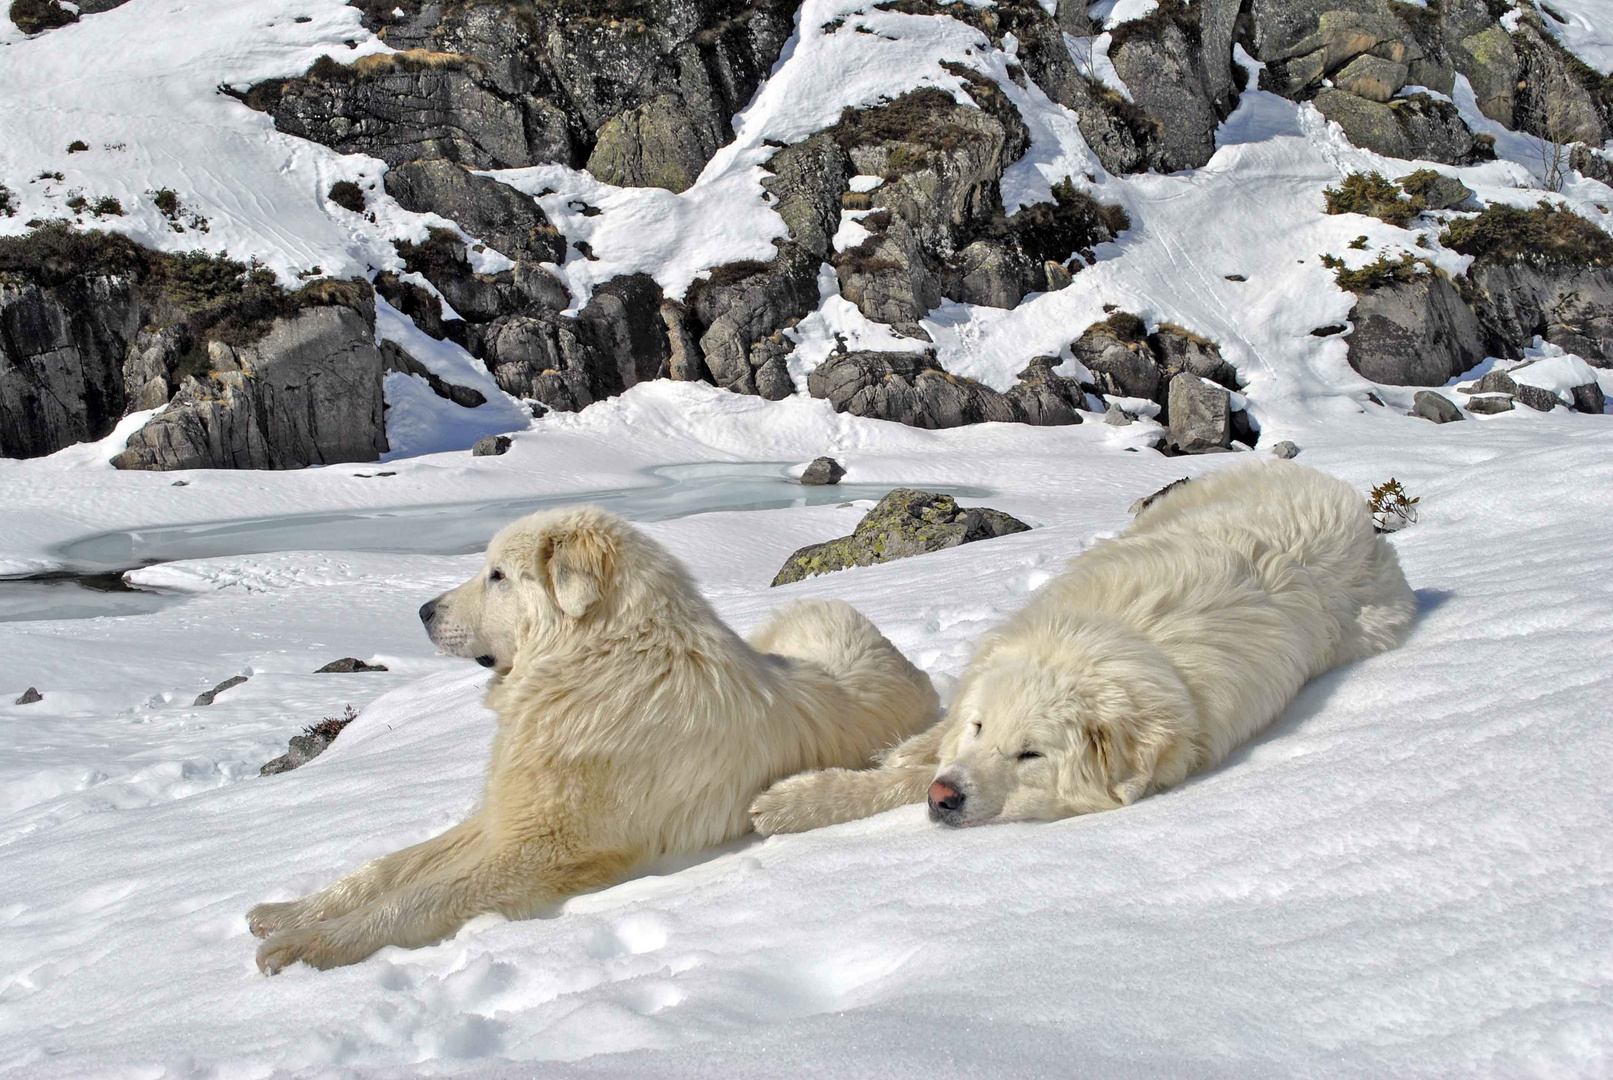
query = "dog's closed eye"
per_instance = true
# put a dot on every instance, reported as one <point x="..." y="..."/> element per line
<point x="495" y="575"/>
<point x="1028" y="755"/>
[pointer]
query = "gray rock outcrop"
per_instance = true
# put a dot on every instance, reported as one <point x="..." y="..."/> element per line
<point x="495" y="213"/>
<point x="207" y="697"/>
<point x="1436" y="407"/>
<point x="308" y="393"/>
<point x="912" y="389"/>
<point x="491" y="446"/>
<point x="29" y="696"/>
<point x="906" y="522"/>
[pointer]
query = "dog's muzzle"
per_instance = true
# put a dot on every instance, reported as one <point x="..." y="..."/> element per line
<point x="946" y="803"/>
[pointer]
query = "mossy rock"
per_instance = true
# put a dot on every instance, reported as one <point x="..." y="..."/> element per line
<point x="906" y="522"/>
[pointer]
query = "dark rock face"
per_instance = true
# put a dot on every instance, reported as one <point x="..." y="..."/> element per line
<point x="618" y="340"/>
<point x="394" y="358"/>
<point x="1436" y="407"/>
<point x="906" y="522"/>
<point x="1177" y="63"/>
<point x="61" y="361"/>
<point x="639" y="93"/>
<point x="1569" y="305"/>
<point x="911" y="389"/>
<point x="29" y="696"/>
<point x="495" y="213"/>
<point x="1416" y="333"/>
<point x="308" y="393"/>
<point x="822" y="471"/>
<point x="1588" y="398"/>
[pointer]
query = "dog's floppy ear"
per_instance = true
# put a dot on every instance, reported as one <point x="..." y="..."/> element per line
<point x="1123" y="763"/>
<point x="577" y="568"/>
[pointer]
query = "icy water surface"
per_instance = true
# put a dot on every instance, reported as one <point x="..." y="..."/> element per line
<point x="94" y="587"/>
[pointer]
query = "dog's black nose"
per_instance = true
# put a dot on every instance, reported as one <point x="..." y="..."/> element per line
<point x="946" y="801"/>
<point x="428" y="611"/>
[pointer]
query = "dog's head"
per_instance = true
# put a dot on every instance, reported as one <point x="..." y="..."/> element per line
<point x="1050" y="729"/>
<point x="547" y="577"/>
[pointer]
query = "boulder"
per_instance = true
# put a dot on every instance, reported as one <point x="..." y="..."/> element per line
<point x="1589" y="399"/>
<point x="491" y="446"/>
<point x="1436" y="407"/>
<point x="1178" y="67"/>
<point x="29" y="696"/>
<point x="1572" y="304"/>
<point x="1414" y="333"/>
<point x="301" y="750"/>
<point x="307" y="393"/>
<point x="1417" y="127"/>
<point x="1490" y="63"/>
<point x="913" y="389"/>
<point x="207" y="696"/>
<point x="1117" y="353"/>
<point x="823" y="470"/>
<point x="347" y="665"/>
<point x="1489" y="404"/>
<point x="1200" y="416"/>
<point x="495" y="213"/>
<point x="1115" y="416"/>
<point x="906" y="522"/>
<point x="1500" y="382"/>
<point x="1285" y="450"/>
<point x="1371" y="77"/>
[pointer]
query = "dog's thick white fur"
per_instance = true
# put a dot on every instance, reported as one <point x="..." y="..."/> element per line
<point x="632" y="723"/>
<point x="1149" y="659"/>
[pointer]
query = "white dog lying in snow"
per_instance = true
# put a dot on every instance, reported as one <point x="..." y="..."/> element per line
<point x="1149" y="659"/>
<point x="632" y="723"/>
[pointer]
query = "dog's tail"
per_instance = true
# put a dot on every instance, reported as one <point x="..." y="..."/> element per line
<point x="812" y="800"/>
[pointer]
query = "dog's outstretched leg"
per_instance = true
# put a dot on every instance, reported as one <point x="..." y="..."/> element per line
<point x="812" y="800"/>
<point x="511" y="882"/>
<point x="369" y="882"/>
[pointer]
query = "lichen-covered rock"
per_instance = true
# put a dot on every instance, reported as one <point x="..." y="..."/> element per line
<point x="308" y="393"/>
<point x="1200" y="416"/>
<point x="1371" y="77"/>
<point x="1436" y="407"/>
<point x="904" y="523"/>
<point x="1416" y="333"/>
<point x="1490" y="63"/>
<point x="1490" y="404"/>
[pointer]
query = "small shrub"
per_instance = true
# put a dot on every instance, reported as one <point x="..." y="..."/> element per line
<point x="1392" y="509"/>
<point x="1370" y="194"/>
<point x="347" y="195"/>
<point x="1375" y="275"/>
<point x="8" y="202"/>
<point x="47" y="175"/>
<point x="857" y="200"/>
<point x="36" y="16"/>
<point x="168" y="204"/>
<point x="167" y="201"/>
<point x="1546" y="233"/>
<point x="77" y="203"/>
<point x="331" y="726"/>
<point x="1358" y="244"/>
<point x="1122" y="326"/>
<point x="107" y="206"/>
<point x="77" y="146"/>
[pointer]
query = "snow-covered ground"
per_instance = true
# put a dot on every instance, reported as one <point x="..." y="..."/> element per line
<point x="1408" y="874"/>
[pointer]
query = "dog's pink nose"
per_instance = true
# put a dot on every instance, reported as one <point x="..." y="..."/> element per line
<point x="944" y="798"/>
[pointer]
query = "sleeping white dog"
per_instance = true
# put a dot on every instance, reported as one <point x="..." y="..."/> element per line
<point x="632" y="723"/>
<point x="1148" y="660"/>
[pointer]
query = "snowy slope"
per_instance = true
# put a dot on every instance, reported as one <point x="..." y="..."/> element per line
<point x="1407" y="875"/>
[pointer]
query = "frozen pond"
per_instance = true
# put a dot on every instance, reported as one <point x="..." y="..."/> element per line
<point x="93" y="588"/>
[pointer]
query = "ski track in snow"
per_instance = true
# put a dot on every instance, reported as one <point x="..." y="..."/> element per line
<point x="1406" y="875"/>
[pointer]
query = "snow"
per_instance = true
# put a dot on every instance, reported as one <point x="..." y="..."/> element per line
<point x="1111" y="13"/>
<point x="1405" y="876"/>
<point x="1583" y="28"/>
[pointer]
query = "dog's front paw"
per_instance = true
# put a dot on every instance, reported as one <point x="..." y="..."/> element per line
<point x="777" y="810"/>
<point x="314" y="945"/>
<point x="265" y="919"/>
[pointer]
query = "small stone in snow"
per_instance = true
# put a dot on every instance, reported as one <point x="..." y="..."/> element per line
<point x="1285" y="450"/>
<point x="347" y="665"/>
<point x="207" y="698"/>
<point x="1436" y="407"/>
<point x="1116" y="416"/>
<point x="492" y="446"/>
<point x="823" y="471"/>
<point x="29" y="696"/>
